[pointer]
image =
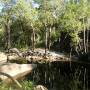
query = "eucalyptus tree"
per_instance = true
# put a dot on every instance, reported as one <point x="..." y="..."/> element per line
<point x="74" y="21"/>
<point x="57" y="9"/>
<point x="19" y="10"/>
<point x="26" y="11"/>
<point x="49" y="13"/>
<point x="84" y="15"/>
<point x="6" y="19"/>
<point x="45" y="17"/>
<point x="71" y="23"/>
<point x="88" y="26"/>
<point x="87" y="23"/>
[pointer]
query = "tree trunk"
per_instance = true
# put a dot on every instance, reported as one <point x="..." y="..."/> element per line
<point x="8" y="41"/>
<point x="49" y="39"/>
<point x="46" y="42"/>
<point x="84" y="36"/>
<point x="87" y="39"/>
<point x="33" y="41"/>
<point x="87" y="35"/>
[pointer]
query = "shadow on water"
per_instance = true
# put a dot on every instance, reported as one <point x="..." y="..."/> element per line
<point x="62" y="75"/>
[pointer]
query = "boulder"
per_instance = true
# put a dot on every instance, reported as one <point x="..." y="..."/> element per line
<point x="3" y="57"/>
<point x="15" y="70"/>
<point x="40" y="87"/>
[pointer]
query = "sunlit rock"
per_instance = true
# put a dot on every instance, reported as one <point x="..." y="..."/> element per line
<point x="15" y="70"/>
<point x="40" y="87"/>
<point x="3" y="57"/>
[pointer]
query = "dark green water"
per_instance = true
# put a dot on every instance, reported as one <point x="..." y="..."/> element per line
<point x="62" y="75"/>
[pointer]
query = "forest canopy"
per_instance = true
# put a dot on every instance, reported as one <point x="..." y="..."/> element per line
<point x="45" y="23"/>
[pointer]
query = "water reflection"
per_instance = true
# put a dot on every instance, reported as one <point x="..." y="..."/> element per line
<point x="62" y="75"/>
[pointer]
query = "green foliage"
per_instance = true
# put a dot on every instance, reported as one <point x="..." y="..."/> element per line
<point x="26" y="85"/>
<point x="19" y="61"/>
<point x="23" y="18"/>
<point x="55" y="35"/>
<point x="72" y="19"/>
<point x="4" y="87"/>
<point x="75" y="38"/>
<point x="1" y="38"/>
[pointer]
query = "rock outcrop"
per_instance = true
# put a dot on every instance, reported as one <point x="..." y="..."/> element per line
<point x="15" y="70"/>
